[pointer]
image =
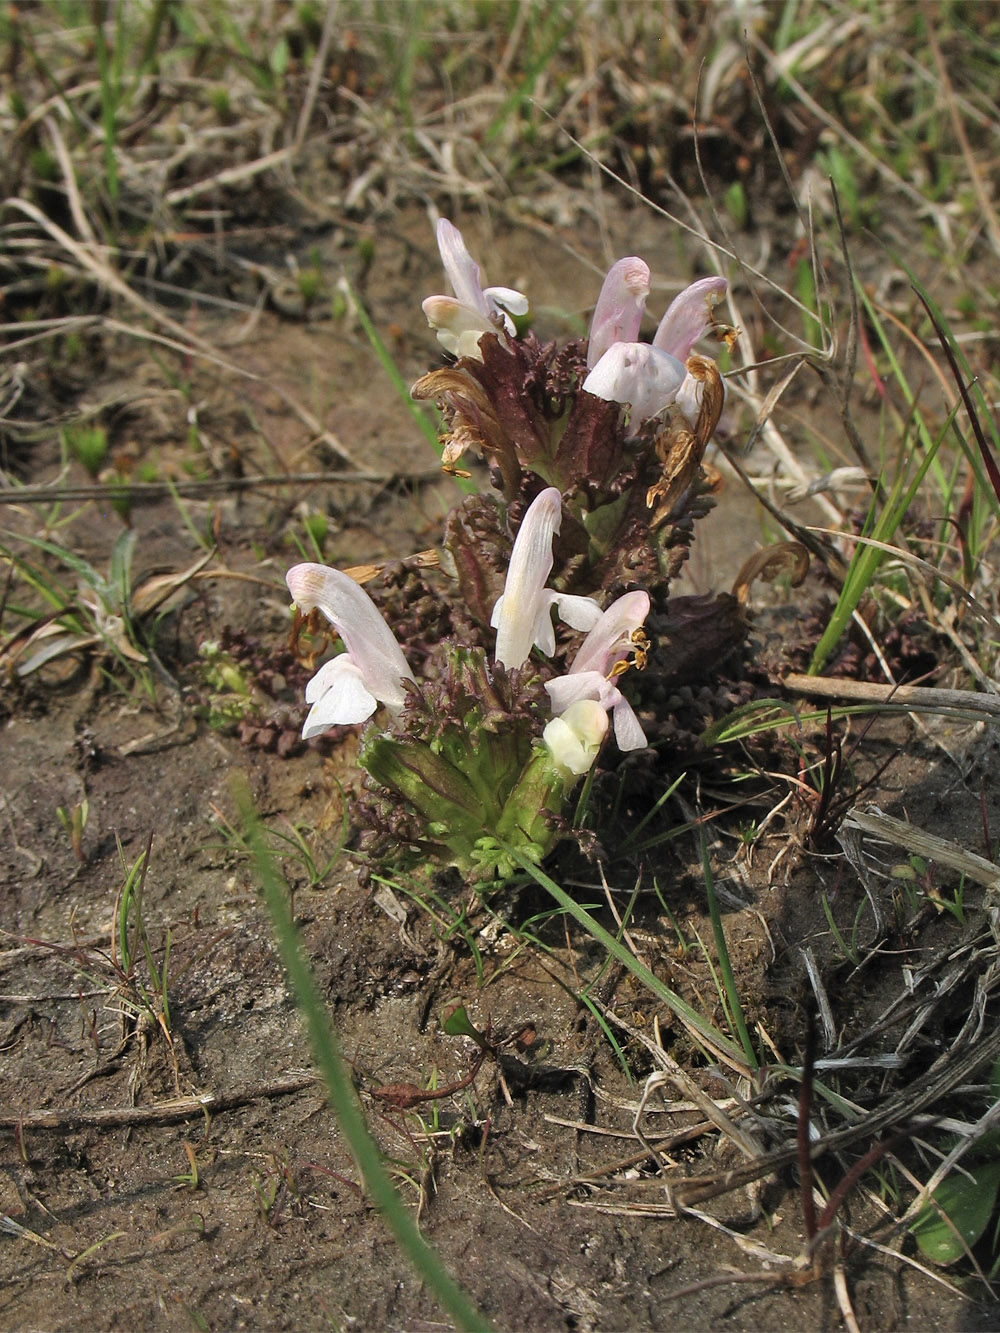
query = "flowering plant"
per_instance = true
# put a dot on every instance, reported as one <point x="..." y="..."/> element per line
<point x="596" y="451"/>
<point x="479" y="757"/>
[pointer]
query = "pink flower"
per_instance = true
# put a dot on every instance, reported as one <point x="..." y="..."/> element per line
<point x="371" y="670"/>
<point x="611" y="642"/>
<point x="522" y="616"/>
<point x="650" y="376"/>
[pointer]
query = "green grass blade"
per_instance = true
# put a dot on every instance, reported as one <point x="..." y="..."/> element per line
<point x="340" y="1089"/>
<point x="426" y="426"/>
<point x="551" y="36"/>
<point x="661" y="801"/>
<point x="110" y="94"/>
<point x="695" y="1022"/>
<point x="977" y="408"/>
<point x="882" y="523"/>
<point x="899" y="375"/>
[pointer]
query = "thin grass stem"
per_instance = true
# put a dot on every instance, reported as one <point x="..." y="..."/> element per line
<point x="336" y="1076"/>
<point x="725" y="963"/>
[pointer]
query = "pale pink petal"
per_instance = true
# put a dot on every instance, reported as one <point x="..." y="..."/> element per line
<point x="461" y="268"/>
<point x="628" y="733"/>
<point x="689" y="397"/>
<point x="609" y="641"/>
<point x="507" y="300"/>
<point x="339" y="697"/>
<point x="325" y="677"/>
<point x="457" y="326"/>
<point x="619" y="309"/>
<point x="522" y="614"/>
<point x="688" y="317"/>
<point x="566" y="690"/>
<point x="581" y="613"/>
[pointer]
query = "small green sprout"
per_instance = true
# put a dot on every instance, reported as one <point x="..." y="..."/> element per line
<point x="87" y="444"/>
<point x="74" y="821"/>
<point x="221" y="102"/>
<point x="188" y="1179"/>
<point x="309" y="282"/>
<point x="735" y="203"/>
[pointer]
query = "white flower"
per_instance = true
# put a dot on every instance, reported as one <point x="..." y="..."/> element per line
<point x="596" y="665"/>
<point x="574" y="739"/>
<point x="651" y="376"/>
<point x="371" y="670"/>
<point x="638" y="374"/>
<point x="460" y="321"/>
<point x="522" y="616"/>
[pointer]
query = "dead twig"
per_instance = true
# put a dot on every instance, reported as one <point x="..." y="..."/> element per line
<point x="161" y="1113"/>
<point x="904" y="698"/>
<point x="139" y="492"/>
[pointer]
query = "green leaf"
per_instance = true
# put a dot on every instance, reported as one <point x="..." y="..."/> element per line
<point x="457" y="1023"/>
<point x="957" y="1213"/>
<point x="435" y="787"/>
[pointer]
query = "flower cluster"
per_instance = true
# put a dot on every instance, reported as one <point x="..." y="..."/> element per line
<point x="596" y="449"/>
<point x="474" y="798"/>
<point x="617" y="425"/>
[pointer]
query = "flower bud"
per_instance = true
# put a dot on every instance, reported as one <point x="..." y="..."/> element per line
<point x="574" y="739"/>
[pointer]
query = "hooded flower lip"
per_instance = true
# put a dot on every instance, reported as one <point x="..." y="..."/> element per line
<point x="689" y="317"/>
<point x="371" y="671"/>
<point x="638" y="374"/>
<point x="613" y="638"/>
<point x="619" y="309"/>
<point x="522" y="615"/>
<point x="460" y="321"/>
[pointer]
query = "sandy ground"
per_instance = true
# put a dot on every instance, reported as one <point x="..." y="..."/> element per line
<point x="127" y="1204"/>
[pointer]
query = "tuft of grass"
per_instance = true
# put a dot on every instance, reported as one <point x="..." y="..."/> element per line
<point x="98" y="613"/>
<point x="130" y="945"/>
<point x="699" y="1028"/>
<point x="884" y="520"/>
<point x="74" y="821"/>
<point x="291" y="843"/>
<point x="88" y="444"/>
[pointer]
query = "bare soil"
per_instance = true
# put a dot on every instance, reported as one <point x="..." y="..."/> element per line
<point x="127" y="1205"/>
